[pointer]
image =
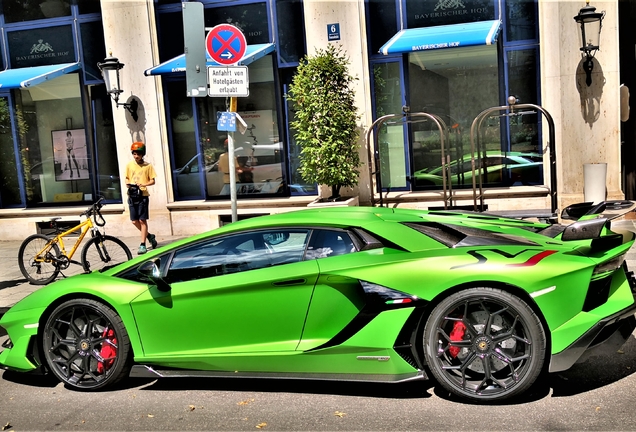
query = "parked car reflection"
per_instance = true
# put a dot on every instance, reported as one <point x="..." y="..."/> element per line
<point x="266" y="173"/>
<point x="509" y="168"/>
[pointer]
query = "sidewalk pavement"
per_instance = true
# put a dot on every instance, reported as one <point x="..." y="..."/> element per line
<point x="14" y="287"/>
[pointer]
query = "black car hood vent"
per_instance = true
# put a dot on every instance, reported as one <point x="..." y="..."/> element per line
<point x="462" y="236"/>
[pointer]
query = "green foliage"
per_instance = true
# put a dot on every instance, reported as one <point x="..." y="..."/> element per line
<point x="326" y="119"/>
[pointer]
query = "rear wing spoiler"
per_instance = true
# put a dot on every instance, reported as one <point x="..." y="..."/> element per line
<point x="606" y="209"/>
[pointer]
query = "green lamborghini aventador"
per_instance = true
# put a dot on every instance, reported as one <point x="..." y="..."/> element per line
<point x="480" y="303"/>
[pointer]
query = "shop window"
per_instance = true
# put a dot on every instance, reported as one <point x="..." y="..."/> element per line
<point x="250" y="18"/>
<point x="9" y="183"/>
<point x="435" y="13"/>
<point x="201" y="160"/>
<point x="28" y="10"/>
<point x="387" y="90"/>
<point x="297" y="186"/>
<point x="291" y="36"/>
<point x="525" y="126"/>
<point x="382" y="23"/>
<point x="455" y="84"/>
<point x="521" y="20"/>
<point x="89" y="6"/>
<point x="93" y="49"/>
<point x="187" y="157"/>
<point x="108" y="176"/>
<point x="170" y="35"/>
<point x="58" y="159"/>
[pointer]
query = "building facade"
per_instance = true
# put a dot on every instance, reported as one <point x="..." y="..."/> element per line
<point x="64" y="141"/>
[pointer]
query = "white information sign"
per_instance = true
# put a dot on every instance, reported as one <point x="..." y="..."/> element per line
<point x="232" y="81"/>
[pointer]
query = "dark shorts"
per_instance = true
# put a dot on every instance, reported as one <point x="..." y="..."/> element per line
<point x="138" y="209"/>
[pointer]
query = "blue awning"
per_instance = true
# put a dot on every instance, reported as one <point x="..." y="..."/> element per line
<point x="441" y="37"/>
<point x="32" y="76"/>
<point x="178" y="64"/>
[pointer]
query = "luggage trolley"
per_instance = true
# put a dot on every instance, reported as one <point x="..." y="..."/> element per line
<point x="407" y="118"/>
<point x="513" y="109"/>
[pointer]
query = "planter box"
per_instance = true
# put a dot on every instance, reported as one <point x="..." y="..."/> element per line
<point x="344" y="202"/>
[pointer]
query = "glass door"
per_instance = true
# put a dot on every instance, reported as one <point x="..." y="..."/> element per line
<point x="388" y="94"/>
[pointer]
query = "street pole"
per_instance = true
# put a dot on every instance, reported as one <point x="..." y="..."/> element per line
<point x="232" y="168"/>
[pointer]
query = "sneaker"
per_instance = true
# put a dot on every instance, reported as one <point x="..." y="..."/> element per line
<point x="142" y="250"/>
<point x="153" y="240"/>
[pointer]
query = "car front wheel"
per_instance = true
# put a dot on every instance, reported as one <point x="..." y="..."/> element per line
<point x="484" y="344"/>
<point x="86" y="345"/>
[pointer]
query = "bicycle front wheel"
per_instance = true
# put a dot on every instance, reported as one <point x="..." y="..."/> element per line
<point x="104" y="251"/>
<point x="37" y="259"/>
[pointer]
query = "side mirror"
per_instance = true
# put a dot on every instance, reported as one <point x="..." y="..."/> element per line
<point x="151" y="270"/>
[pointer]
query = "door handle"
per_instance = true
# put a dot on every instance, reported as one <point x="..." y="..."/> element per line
<point x="290" y="282"/>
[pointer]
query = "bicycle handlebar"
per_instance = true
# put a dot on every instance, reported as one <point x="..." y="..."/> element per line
<point x="93" y="210"/>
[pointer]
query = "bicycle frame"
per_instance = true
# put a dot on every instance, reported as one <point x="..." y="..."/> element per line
<point x="84" y="226"/>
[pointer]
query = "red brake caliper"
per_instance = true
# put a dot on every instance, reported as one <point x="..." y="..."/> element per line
<point x="457" y="334"/>
<point x="108" y="351"/>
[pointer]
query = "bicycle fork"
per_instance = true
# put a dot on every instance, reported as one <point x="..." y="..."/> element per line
<point x="104" y="256"/>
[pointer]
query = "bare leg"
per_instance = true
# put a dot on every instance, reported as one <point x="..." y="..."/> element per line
<point x="142" y="226"/>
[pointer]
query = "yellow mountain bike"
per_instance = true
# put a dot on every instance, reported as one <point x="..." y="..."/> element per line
<point x="42" y="257"/>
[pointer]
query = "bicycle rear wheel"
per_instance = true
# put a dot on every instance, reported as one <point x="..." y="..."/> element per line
<point x="37" y="260"/>
<point x="104" y="251"/>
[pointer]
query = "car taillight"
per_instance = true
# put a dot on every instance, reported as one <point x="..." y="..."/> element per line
<point x="386" y="295"/>
<point x="7" y="344"/>
<point x="608" y="267"/>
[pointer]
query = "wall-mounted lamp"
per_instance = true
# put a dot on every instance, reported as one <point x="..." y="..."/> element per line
<point x="110" y="71"/>
<point x="591" y="23"/>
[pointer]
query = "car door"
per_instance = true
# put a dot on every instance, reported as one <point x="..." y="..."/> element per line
<point x="337" y="299"/>
<point x="240" y="293"/>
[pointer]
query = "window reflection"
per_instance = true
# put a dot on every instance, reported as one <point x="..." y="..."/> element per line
<point x="9" y="190"/>
<point x="203" y="169"/>
<point x="442" y="82"/>
<point x="27" y="10"/>
<point x="238" y="253"/>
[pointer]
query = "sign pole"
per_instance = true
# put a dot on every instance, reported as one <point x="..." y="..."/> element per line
<point x="232" y="168"/>
<point x="226" y="45"/>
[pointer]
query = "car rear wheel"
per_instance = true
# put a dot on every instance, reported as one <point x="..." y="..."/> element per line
<point x="86" y="345"/>
<point x="484" y="344"/>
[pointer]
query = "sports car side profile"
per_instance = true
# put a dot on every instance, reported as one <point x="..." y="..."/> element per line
<point x="480" y="303"/>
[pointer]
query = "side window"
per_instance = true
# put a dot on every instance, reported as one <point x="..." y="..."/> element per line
<point x="286" y="246"/>
<point x="237" y="253"/>
<point x="133" y="274"/>
<point x="326" y="243"/>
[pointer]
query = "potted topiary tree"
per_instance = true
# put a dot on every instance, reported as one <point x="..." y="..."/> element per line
<point x="325" y="123"/>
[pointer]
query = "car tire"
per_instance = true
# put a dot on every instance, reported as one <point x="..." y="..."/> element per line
<point x="86" y="345"/>
<point x="484" y="344"/>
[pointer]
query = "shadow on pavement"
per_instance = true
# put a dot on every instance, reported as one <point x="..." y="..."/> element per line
<point x="12" y="283"/>
<point x="596" y="372"/>
<point x="31" y="379"/>
<point x="408" y="390"/>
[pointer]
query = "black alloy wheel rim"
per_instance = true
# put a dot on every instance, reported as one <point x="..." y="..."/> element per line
<point x="81" y="346"/>
<point x="483" y="346"/>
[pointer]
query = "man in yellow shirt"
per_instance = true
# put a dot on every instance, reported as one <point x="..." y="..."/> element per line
<point x="139" y="175"/>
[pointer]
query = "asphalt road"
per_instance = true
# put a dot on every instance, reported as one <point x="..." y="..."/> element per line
<point x="596" y="395"/>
